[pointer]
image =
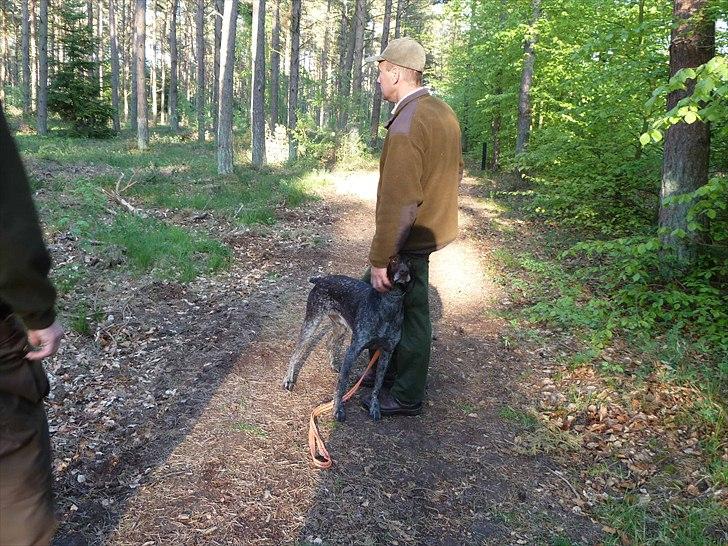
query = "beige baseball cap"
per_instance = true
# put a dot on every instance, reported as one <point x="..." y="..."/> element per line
<point x="403" y="52"/>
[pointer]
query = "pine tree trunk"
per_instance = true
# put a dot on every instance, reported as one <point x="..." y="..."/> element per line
<point x="133" y="68"/>
<point x="33" y="55"/>
<point x="163" y="72"/>
<point x="398" y="22"/>
<point x="687" y="146"/>
<point x="25" y="51"/>
<point x="219" y="7"/>
<point x="100" y="47"/>
<point x="141" y="84"/>
<point x="42" y="124"/>
<point x="345" y="77"/>
<point x="173" y="69"/>
<point x="3" y="54"/>
<point x="257" y="112"/>
<point x="275" y="67"/>
<point x="524" y="94"/>
<point x="114" y="66"/>
<point x="377" y="104"/>
<point x="359" y="21"/>
<point x="225" y="106"/>
<point x="293" y="78"/>
<point x="324" y="64"/>
<point x="153" y="67"/>
<point x="200" y="47"/>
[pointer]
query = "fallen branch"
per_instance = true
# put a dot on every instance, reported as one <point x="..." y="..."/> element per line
<point x="115" y="196"/>
<point x="558" y="475"/>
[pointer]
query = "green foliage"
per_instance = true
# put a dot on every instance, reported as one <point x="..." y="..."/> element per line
<point x="74" y="91"/>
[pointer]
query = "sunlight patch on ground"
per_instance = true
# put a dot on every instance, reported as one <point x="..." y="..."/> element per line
<point x="362" y="184"/>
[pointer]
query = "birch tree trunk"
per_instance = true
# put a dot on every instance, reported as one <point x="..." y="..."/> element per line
<point x="219" y="7"/>
<point x="687" y="146"/>
<point x="114" y="46"/>
<point x="42" y="123"/>
<point x="293" y="78"/>
<point x="377" y="104"/>
<point x="257" y="113"/>
<point x="275" y="67"/>
<point x="140" y="62"/>
<point x="173" y="69"/>
<point x="524" y="94"/>
<point x="25" y="52"/>
<point x="225" y="105"/>
<point x="200" y="46"/>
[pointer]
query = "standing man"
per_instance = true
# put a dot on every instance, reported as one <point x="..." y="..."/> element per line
<point x="27" y="317"/>
<point x="417" y="209"/>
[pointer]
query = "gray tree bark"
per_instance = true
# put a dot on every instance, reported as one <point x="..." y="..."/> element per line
<point x="324" y="64"/>
<point x="141" y="84"/>
<point x="133" y="70"/>
<point x="275" y="67"/>
<point x="25" y="52"/>
<point x="153" y="66"/>
<point x="219" y="8"/>
<point x="377" y="104"/>
<point x="524" y="94"/>
<point x="401" y="7"/>
<point x="257" y="113"/>
<point x="359" y="21"/>
<point x="225" y="105"/>
<point x="345" y="77"/>
<point x="114" y="66"/>
<point x="42" y="123"/>
<point x="173" y="69"/>
<point x="293" y="78"/>
<point x="200" y="47"/>
<point x="687" y="146"/>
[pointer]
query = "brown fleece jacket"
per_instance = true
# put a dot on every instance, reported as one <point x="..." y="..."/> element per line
<point x="24" y="261"/>
<point x="419" y="173"/>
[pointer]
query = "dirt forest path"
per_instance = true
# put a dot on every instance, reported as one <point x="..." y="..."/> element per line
<point x="238" y="470"/>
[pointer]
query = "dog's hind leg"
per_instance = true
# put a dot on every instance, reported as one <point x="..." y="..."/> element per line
<point x="349" y="359"/>
<point x="374" y="411"/>
<point x="337" y="341"/>
<point x="311" y="333"/>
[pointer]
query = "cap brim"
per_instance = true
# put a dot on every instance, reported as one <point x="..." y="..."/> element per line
<point x="373" y="58"/>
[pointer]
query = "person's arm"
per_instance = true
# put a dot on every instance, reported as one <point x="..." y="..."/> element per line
<point x="24" y="259"/>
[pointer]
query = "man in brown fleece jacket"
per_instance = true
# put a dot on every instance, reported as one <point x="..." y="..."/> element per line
<point x="417" y="208"/>
<point x="27" y="316"/>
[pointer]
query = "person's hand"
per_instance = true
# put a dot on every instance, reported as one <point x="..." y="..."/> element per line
<point x="380" y="280"/>
<point x="47" y="341"/>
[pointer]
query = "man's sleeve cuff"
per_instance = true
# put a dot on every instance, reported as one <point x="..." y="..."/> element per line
<point x="39" y="321"/>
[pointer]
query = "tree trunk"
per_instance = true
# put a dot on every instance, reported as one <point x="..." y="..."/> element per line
<point x="359" y="21"/>
<point x="225" y="105"/>
<point x="524" y="94"/>
<point x="163" y="73"/>
<point x="324" y="64"/>
<point x="377" y="104"/>
<point x="42" y="125"/>
<point x="153" y="67"/>
<point x="495" y="125"/>
<point x="293" y="78"/>
<point x="25" y="30"/>
<point x="173" y="69"/>
<point x="3" y="54"/>
<point x="257" y="113"/>
<point x="200" y="46"/>
<point x="141" y="84"/>
<point x="100" y="47"/>
<point x="114" y="66"/>
<point x="219" y="7"/>
<point x="133" y="70"/>
<point x="345" y="78"/>
<point x="275" y="67"/>
<point x="687" y="146"/>
<point x="398" y="22"/>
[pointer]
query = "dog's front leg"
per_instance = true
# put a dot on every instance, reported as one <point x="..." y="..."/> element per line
<point x="382" y="365"/>
<point x="351" y="354"/>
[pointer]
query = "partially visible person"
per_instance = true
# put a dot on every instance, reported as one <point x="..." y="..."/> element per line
<point x="417" y="209"/>
<point x="29" y="332"/>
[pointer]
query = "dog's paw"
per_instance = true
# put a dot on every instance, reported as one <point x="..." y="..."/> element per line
<point x="289" y="383"/>
<point x="374" y="411"/>
<point x="340" y="413"/>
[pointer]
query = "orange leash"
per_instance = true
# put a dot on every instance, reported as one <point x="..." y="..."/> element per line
<point x="319" y="453"/>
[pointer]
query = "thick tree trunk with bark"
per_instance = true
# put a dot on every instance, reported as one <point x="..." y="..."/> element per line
<point x="345" y="77"/>
<point x="153" y="67"/>
<point x="114" y="65"/>
<point x="687" y="146"/>
<point x="359" y="21"/>
<point x="200" y="47"/>
<point x="257" y="113"/>
<point x="141" y="84"/>
<point x="219" y="8"/>
<point x="377" y="104"/>
<point x="25" y="52"/>
<point x="324" y="65"/>
<point x="173" y="65"/>
<point x="401" y="7"/>
<point x="42" y="124"/>
<point x="293" y="78"/>
<point x="275" y="67"/>
<point x="524" y="93"/>
<point x="225" y="105"/>
<point x="133" y="69"/>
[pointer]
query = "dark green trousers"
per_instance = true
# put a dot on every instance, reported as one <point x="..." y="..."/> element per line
<point x="411" y="358"/>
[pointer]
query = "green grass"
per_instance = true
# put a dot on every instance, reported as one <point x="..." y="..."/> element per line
<point x="525" y="419"/>
<point x="250" y="429"/>
<point x="82" y="318"/>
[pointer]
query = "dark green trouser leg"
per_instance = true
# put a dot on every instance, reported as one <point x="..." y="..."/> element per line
<point x="411" y="359"/>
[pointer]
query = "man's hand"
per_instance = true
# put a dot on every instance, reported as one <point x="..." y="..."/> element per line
<point x="47" y="341"/>
<point x="380" y="280"/>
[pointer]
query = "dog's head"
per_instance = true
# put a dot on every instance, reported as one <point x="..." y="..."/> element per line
<point x="398" y="271"/>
